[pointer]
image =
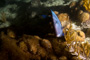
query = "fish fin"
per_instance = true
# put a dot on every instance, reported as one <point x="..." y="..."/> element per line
<point x="57" y="25"/>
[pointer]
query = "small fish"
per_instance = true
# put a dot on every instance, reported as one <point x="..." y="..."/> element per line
<point x="57" y="25"/>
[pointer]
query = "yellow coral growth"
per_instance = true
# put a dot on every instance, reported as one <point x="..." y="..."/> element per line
<point x="87" y="48"/>
<point x="69" y="35"/>
<point x="76" y="44"/>
<point x="86" y="4"/>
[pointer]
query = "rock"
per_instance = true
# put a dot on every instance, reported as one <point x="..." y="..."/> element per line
<point x="23" y="46"/>
<point x="42" y="52"/>
<point x="63" y="58"/>
<point x="10" y="48"/>
<point x="53" y="57"/>
<point x="58" y="46"/>
<point x="31" y="42"/>
<point x="32" y="46"/>
<point x="46" y="43"/>
<point x="37" y="37"/>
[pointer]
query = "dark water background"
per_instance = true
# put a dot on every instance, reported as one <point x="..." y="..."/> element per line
<point x="27" y="13"/>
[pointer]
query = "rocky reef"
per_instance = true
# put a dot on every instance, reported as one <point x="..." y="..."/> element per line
<point x="26" y="35"/>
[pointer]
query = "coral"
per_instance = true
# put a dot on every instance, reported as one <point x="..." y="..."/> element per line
<point x="86" y="4"/>
<point x="56" y="12"/>
<point x="86" y="49"/>
<point x="83" y="16"/>
<point x="74" y="35"/>
<point x="80" y="50"/>
<point x="74" y="39"/>
<point x="69" y="34"/>
<point x="64" y="18"/>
